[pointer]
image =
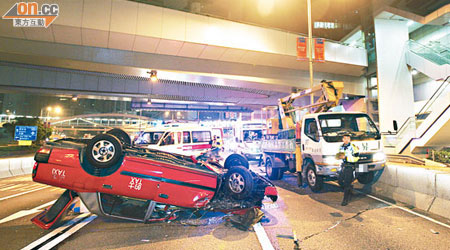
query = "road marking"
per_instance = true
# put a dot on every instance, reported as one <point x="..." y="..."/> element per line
<point x="6" y="185"/>
<point x="55" y="232"/>
<point x="262" y="237"/>
<point x="406" y="210"/>
<point x="65" y="235"/>
<point x="19" y="194"/>
<point x="23" y="213"/>
<point x="26" y="188"/>
<point x="11" y="187"/>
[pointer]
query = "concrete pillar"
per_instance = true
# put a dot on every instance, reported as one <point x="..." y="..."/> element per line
<point x="395" y="86"/>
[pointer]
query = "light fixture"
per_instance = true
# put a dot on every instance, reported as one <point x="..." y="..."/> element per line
<point x="153" y="75"/>
<point x="49" y="108"/>
<point x="58" y="110"/>
<point x="414" y="72"/>
<point x="149" y="101"/>
<point x="74" y="98"/>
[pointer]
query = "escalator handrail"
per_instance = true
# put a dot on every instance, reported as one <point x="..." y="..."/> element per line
<point x="421" y="110"/>
<point x="437" y="90"/>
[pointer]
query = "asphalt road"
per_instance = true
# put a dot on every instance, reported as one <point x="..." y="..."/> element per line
<point x="316" y="219"/>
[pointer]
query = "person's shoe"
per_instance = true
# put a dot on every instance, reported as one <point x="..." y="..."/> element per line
<point x="344" y="203"/>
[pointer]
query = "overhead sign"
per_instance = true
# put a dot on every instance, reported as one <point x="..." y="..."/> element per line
<point x="301" y="48"/>
<point x="319" y="49"/>
<point x="25" y="133"/>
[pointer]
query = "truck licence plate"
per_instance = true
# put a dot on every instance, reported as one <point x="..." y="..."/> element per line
<point x="362" y="168"/>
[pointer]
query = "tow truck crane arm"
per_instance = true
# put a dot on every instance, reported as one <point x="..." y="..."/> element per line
<point x="330" y="94"/>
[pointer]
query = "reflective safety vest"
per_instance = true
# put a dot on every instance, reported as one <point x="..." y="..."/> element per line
<point x="351" y="152"/>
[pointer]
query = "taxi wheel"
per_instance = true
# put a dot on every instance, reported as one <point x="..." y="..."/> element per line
<point x="121" y="135"/>
<point x="239" y="182"/>
<point x="235" y="160"/>
<point x="104" y="150"/>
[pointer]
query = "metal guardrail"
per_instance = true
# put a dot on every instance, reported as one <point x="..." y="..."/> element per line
<point x="405" y="159"/>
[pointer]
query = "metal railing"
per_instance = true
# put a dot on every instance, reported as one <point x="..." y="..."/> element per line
<point x="409" y="127"/>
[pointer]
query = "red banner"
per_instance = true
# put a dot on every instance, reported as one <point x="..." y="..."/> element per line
<point x="301" y="48"/>
<point x="319" y="49"/>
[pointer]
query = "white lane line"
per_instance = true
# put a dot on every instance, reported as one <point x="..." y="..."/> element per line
<point x="65" y="235"/>
<point x="23" y="213"/>
<point x="12" y="187"/>
<point x="6" y="185"/>
<point x="406" y="210"/>
<point x="19" y="194"/>
<point x="262" y="237"/>
<point x="55" y="232"/>
<point x="26" y="188"/>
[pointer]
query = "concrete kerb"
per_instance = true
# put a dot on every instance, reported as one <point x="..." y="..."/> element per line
<point x="4" y="168"/>
<point x="441" y="205"/>
<point x="425" y="189"/>
<point x="27" y="165"/>
<point x="16" y="166"/>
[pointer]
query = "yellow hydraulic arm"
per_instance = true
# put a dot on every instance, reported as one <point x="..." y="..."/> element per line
<point x="330" y="94"/>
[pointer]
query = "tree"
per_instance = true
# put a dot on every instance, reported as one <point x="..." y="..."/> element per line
<point x="43" y="131"/>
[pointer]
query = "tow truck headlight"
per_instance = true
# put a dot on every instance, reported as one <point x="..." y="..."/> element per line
<point x="331" y="160"/>
<point x="379" y="156"/>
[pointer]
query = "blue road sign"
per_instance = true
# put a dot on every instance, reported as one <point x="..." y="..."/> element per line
<point x="25" y="133"/>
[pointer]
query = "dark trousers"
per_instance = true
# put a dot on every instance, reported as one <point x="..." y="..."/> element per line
<point x="347" y="171"/>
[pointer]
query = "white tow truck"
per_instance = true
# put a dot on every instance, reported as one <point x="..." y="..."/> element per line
<point x="308" y="143"/>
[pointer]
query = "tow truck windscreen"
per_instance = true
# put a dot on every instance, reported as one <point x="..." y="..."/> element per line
<point x="360" y="126"/>
<point x="252" y="135"/>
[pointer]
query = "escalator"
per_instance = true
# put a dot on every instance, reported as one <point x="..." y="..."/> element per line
<point x="430" y="127"/>
<point x="433" y="61"/>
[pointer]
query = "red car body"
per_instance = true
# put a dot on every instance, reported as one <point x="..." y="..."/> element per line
<point x="145" y="174"/>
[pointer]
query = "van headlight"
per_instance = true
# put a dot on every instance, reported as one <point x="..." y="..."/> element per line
<point x="380" y="156"/>
<point x="331" y="160"/>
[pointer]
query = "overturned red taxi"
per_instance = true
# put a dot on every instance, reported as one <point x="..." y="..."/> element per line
<point x="114" y="178"/>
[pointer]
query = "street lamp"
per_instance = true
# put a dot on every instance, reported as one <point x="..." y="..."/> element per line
<point x="58" y="110"/>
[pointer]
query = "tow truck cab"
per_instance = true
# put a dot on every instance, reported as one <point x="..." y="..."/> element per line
<point x="321" y="138"/>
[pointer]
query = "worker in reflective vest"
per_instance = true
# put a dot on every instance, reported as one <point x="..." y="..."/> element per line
<point x="349" y="153"/>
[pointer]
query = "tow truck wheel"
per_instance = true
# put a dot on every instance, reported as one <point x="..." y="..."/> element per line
<point x="271" y="172"/>
<point x="315" y="182"/>
<point x="121" y="135"/>
<point x="239" y="182"/>
<point x="104" y="150"/>
<point x="366" y="178"/>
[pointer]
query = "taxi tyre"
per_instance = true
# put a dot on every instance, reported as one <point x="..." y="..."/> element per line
<point x="238" y="182"/>
<point x="104" y="151"/>
<point x="121" y="135"/>
<point x="315" y="182"/>
<point x="366" y="178"/>
<point x="271" y="172"/>
<point x="235" y="160"/>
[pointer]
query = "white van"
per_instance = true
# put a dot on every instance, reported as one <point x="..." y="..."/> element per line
<point x="186" y="139"/>
<point x="181" y="139"/>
